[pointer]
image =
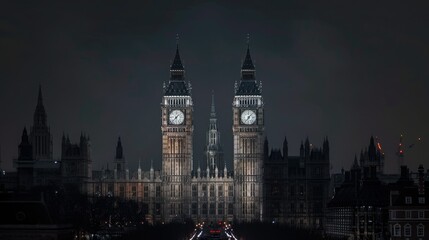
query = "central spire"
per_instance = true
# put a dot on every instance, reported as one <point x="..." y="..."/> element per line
<point x="119" y="151"/>
<point x="213" y="110"/>
<point x="214" y="151"/>
<point x="40" y="98"/>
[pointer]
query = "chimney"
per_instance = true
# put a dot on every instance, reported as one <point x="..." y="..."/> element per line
<point x="421" y="180"/>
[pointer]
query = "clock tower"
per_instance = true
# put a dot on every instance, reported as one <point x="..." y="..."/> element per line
<point x="177" y="130"/>
<point x="248" y="134"/>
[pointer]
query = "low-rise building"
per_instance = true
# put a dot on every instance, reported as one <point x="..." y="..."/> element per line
<point x="409" y="207"/>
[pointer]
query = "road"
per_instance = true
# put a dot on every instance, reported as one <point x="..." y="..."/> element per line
<point x="220" y="231"/>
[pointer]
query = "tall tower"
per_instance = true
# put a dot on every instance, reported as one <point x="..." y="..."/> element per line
<point x="177" y="131"/>
<point x="120" y="167"/>
<point x="40" y="135"/>
<point x="25" y="163"/>
<point x="248" y="134"/>
<point x="214" y="153"/>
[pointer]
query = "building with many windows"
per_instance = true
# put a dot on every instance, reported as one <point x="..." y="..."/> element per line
<point x="409" y="208"/>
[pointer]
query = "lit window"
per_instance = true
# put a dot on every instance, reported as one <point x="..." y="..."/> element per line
<point x="407" y="230"/>
<point x="408" y="200"/>
<point x="397" y="230"/>
<point x="420" y="230"/>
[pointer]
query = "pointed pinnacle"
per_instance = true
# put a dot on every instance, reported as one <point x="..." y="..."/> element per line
<point x="40" y="97"/>
<point x="213" y="109"/>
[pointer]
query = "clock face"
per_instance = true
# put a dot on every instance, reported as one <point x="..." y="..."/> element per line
<point x="248" y="117"/>
<point x="176" y="117"/>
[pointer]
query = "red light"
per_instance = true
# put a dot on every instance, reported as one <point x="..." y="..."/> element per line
<point x="214" y="231"/>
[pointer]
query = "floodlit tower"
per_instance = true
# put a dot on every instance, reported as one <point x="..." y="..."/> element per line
<point x="177" y="134"/>
<point x="248" y="138"/>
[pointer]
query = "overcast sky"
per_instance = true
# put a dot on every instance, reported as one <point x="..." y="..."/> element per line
<point x="344" y="70"/>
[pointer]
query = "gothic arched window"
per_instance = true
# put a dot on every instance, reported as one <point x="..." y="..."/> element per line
<point x="397" y="230"/>
<point x="407" y="230"/>
<point x="420" y="230"/>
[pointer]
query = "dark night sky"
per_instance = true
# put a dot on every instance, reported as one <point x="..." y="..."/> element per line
<point x="344" y="70"/>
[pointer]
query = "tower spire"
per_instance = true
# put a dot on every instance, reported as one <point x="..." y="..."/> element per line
<point x="248" y="63"/>
<point x="213" y="109"/>
<point x="119" y="150"/>
<point x="214" y="151"/>
<point x="177" y="85"/>
<point x="40" y="113"/>
<point x="248" y="84"/>
<point x="177" y="62"/>
<point x="40" y="97"/>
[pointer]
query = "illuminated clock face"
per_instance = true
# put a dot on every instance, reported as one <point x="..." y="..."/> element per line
<point x="176" y="117"/>
<point x="248" y="117"/>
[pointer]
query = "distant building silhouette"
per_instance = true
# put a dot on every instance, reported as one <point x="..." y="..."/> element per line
<point x="373" y="156"/>
<point x="35" y="165"/>
<point x="76" y="163"/>
<point x="297" y="187"/>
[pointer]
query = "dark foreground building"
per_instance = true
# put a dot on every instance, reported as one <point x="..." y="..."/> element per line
<point x="409" y="208"/>
<point x="296" y="187"/>
<point x="359" y="207"/>
<point x="364" y="207"/>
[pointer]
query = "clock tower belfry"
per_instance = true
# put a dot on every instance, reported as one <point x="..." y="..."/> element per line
<point x="248" y="134"/>
<point x="177" y="131"/>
